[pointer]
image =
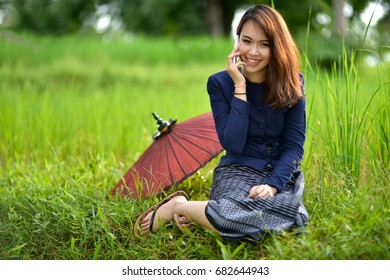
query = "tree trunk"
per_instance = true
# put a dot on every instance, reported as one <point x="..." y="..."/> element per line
<point x="214" y="18"/>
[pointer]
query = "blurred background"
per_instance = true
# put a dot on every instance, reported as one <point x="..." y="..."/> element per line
<point x="329" y="21"/>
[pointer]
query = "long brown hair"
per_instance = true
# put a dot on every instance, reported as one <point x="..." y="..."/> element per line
<point x="282" y="78"/>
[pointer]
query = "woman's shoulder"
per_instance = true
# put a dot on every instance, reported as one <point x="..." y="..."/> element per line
<point x="301" y="78"/>
<point x="220" y="82"/>
<point x="221" y="76"/>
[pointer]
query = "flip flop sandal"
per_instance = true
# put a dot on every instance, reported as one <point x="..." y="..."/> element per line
<point x="137" y="224"/>
<point x="182" y="228"/>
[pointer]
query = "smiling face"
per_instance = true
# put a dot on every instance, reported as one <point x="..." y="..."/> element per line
<point x="255" y="51"/>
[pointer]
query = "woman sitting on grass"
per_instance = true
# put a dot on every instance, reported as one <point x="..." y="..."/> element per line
<point x="259" y="110"/>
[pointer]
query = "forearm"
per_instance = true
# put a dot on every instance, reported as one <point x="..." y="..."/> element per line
<point x="234" y="130"/>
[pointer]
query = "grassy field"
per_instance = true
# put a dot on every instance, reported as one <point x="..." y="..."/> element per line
<point x="75" y="113"/>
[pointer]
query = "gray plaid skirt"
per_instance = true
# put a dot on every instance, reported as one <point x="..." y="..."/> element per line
<point x="236" y="216"/>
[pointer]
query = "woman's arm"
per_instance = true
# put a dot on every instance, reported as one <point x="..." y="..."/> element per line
<point x="231" y="114"/>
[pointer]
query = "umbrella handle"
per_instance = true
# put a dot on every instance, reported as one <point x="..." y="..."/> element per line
<point x="163" y="125"/>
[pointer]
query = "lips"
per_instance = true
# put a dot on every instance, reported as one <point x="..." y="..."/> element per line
<point x="252" y="61"/>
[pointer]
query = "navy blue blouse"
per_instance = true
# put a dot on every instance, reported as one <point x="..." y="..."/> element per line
<point x="253" y="134"/>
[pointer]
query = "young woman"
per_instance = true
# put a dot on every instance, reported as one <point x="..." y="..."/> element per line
<point x="258" y="106"/>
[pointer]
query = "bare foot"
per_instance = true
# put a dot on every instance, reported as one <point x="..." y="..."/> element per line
<point x="183" y="220"/>
<point x="163" y="215"/>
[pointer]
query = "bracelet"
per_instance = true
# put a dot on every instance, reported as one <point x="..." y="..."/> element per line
<point x="239" y="93"/>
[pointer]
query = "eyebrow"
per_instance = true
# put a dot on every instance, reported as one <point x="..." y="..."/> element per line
<point x="247" y="37"/>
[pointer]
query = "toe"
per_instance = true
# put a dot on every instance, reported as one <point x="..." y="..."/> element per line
<point x="184" y="220"/>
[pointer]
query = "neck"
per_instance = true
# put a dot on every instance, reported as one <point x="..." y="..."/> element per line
<point x="254" y="77"/>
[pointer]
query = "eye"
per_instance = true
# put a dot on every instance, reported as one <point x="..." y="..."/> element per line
<point x="246" y="41"/>
<point x="264" y="44"/>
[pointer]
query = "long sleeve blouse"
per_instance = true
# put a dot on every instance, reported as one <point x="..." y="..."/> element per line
<point x="253" y="134"/>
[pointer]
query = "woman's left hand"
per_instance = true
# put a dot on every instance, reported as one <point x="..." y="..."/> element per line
<point x="262" y="191"/>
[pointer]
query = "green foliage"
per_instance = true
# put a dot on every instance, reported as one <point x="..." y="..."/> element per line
<point x="172" y="17"/>
<point x="75" y="113"/>
<point x="47" y="16"/>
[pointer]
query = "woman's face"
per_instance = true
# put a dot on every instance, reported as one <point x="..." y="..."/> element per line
<point x="255" y="52"/>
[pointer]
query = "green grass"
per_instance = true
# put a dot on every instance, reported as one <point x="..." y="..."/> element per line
<point x="75" y="113"/>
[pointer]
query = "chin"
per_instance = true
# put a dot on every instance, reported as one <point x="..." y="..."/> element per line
<point x="254" y="69"/>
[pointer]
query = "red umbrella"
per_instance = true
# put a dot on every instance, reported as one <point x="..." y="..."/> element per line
<point x="177" y="152"/>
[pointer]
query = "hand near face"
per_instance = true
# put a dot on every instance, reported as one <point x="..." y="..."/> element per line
<point x="234" y="68"/>
<point x="262" y="191"/>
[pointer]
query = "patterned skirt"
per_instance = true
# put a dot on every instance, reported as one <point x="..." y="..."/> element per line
<point x="236" y="216"/>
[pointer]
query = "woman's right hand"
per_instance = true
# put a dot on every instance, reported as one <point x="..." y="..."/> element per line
<point x="262" y="191"/>
<point x="234" y="68"/>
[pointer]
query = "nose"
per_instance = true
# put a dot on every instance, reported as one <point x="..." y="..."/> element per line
<point x="254" y="50"/>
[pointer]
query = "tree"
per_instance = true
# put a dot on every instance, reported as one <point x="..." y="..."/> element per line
<point x="219" y="15"/>
<point x="175" y="17"/>
<point x="154" y="17"/>
<point x="57" y="17"/>
<point x="213" y="17"/>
